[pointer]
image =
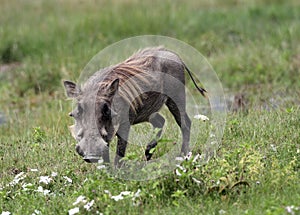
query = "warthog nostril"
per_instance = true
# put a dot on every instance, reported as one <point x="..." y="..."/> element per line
<point x="79" y="151"/>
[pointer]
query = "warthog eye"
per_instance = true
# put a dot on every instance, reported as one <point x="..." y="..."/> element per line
<point x="105" y="112"/>
<point x="76" y="112"/>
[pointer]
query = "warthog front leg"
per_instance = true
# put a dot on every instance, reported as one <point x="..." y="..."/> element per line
<point x="122" y="135"/>
<point x="157" y="122"/>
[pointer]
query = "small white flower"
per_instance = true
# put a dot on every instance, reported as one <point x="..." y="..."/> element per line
<point x="117" y="198"/>
<point x="188" y="156"/>
<point x="196" y="158"/>
<point x="42" y="190"/>
<point x="120" y="196"/>
<point x="100" y="161"/>
<point x="53" y="174"/>
<point x="137" y="194"/>
<point x="68" y="179"/>
<point x="5" y="213"/>
<point x="291" y="209"/>
<point x="27" y="186"/>
<point x="101" y="167"/>
<point x="177" y="172"/>
<point x="19" y="175"/>
<point x="89" y="205"/>
<point x="179" y="159"/>
<point x="17" y="179"/>
<point x="125" y="193"/>
<point x="273" y="147"/>
<point x="73" y="211"/>
<point x="222" y="211"/>
<point x="213" y="142"/>
<point x="196" y="180"/>
<point x="201" y="117"/>
<point x="45" y="179"/>
<point x="80" y="199"/>
<point x="212" y="135"/>
<point x="36" y="212"/>
<point x="181" y="168"/>
<point x="34" y="170"/>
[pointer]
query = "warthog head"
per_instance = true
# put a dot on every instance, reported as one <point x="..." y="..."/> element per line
<point x="94" y="117"/>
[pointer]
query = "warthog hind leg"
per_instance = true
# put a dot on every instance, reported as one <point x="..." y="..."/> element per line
<point x="183" y="121"/>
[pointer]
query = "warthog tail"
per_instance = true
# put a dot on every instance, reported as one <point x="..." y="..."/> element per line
<point x="200" y="89"/>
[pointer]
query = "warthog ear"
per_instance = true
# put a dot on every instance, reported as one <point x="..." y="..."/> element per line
<point x="113" y="87"/>
<point x="71" y="89"/>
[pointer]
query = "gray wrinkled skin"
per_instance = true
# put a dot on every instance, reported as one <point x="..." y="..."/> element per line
<point x="131" y="92"/>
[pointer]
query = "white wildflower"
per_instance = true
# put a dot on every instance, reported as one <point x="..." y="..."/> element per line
<point x="196" y="158"/>
<point x="5" y="213"/>
<point x="179" y="159"/>
<point x="53" y="174"/>
<point x="19" y="175"/>
<point x="137" y="194"/>
<point x="101" y="166"/>
<point x="34" y="170"/>
<point x="201" y="117"/>
<point x="17" y="179"/>
<point x="213" y="143"/>
<point x="291" y="209"/>
<point x="89" y="205"/>
<point x="100" y="161"/>
<point x="196" y="180"/>
<point x="177" y="172"/>
<point x="181" y="168"/>
<point x="117" y="198"/>
<point x="42" y="190"/>
<point x="212" y="135"/>
<point x="80" y="199"/>
<point x="36" y="212"/>
<point x="120" y="196"/>
<point x="273" y="147"/>
<point x="125" y="193"/>
<point x="45" y="179"/>
<point x="27" y="186"/>
<point x="222" y="212"/>
<point x="73" y="211"/>
<point x="68" y="179"/>
<point x="188" y="156"/>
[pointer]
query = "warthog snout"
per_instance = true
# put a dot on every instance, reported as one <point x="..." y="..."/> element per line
<point x="93" y="151"/>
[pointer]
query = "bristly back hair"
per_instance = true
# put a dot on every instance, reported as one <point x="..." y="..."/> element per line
<point x="131" y="73"/>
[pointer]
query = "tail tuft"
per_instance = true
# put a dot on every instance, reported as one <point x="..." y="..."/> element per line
<point x="200" y="89"/>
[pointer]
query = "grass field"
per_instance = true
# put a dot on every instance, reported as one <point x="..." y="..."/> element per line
<point x="254" y="47"/>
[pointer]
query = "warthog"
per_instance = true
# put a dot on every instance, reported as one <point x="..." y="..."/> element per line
<point x="131" y="92"/>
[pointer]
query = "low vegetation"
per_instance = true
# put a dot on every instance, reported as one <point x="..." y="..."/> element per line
<point x="254" y="49"/>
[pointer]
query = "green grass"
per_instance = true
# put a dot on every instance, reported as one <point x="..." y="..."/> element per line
<point x="253" y="47"/>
